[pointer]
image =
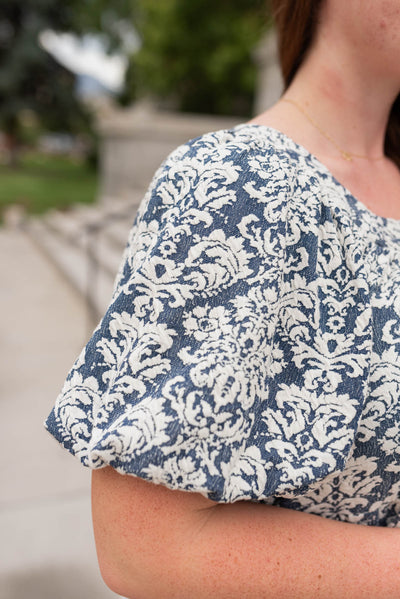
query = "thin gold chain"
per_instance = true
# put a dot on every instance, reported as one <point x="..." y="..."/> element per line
<point x="346" y="155"/>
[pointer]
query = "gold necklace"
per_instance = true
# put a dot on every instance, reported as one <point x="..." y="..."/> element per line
<point x="346" y="155"/>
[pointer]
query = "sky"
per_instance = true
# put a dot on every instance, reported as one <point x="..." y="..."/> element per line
<point x="86" y="56"/>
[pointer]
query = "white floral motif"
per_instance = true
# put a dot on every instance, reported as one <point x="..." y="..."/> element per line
<point x="330" y="352"/>
<point x="249" y="475"/>
<point x="385" y="393"/>
<point x="134" y="433"/>
<point x="390" y="443"/>
<point x="344" y="496"/>
<point x="207" y="323"/>
<point x="76" y="403"/>
<point x="174" y="472"/>
<point x="304" y="427"/>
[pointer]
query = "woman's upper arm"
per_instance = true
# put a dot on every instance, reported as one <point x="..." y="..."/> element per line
<point x="155" y="543"/>
<point x="140" y="530"/>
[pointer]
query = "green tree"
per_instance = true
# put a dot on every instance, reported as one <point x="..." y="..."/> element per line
<point x="198" y="55"/>
<point x="30" y="78"/>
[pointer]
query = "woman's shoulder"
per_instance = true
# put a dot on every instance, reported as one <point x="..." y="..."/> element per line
<point x="256" y="149"/>
<point x="253" y="160"/>
<point x="230" y="180"/>
<point x="246" y="167"/>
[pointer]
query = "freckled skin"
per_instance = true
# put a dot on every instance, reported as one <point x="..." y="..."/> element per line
<point x="374" y="28"/>
<point x="154" y="543"/>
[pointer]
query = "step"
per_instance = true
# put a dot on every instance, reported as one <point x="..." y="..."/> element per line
<point x="117" y="233"/>
<point x="93" y="283"/>
<point x="91" y="240"/>
<point x="110" y="206"/>
<point x="86" y="243"/>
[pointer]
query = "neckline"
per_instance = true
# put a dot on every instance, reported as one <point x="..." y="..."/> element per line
<point x="386" y="220"/>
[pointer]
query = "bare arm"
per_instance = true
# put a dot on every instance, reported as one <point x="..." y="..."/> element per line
<point x="154" y="543"/>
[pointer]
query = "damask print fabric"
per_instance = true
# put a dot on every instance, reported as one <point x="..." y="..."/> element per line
<point x="251" y="347"/>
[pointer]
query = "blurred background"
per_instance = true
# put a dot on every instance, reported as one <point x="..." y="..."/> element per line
<point x="93" y="96"/>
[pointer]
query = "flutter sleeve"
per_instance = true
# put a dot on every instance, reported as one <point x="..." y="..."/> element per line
<point x="187" y="380"/>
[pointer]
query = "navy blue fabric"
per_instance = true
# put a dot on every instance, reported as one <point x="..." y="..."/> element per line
<point x="251" y="347"/>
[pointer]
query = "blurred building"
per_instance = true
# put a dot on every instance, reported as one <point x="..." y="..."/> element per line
<point x="134" y="141"/>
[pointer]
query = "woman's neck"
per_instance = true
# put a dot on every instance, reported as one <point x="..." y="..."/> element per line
<point x="354" y="118"/>
<point x="348" y="100"/>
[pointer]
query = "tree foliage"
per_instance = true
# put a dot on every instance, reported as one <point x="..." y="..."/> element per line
<point x="195" y="56"/>
<point x="29" y="77"/>
<point x="198" y="54"/>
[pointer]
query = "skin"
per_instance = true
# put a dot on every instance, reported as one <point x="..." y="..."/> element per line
<point x="349" y="93"/>
<point x="154" y="543"/>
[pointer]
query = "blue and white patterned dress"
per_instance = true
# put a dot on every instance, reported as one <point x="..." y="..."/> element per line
<point x="251" y="347"/>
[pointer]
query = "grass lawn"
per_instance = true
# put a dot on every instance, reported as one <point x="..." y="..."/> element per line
<point x="42" y="182"/>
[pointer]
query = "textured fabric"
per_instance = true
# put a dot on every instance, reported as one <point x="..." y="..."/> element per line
<point x="251" y="347"/>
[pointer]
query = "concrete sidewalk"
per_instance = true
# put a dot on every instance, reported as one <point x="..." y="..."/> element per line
<point x="46" y="545"/>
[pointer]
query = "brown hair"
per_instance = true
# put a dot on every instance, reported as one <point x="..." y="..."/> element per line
<point x="296" y="22"/>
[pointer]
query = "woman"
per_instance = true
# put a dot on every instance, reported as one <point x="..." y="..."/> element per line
<point x="250" y="352"/>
